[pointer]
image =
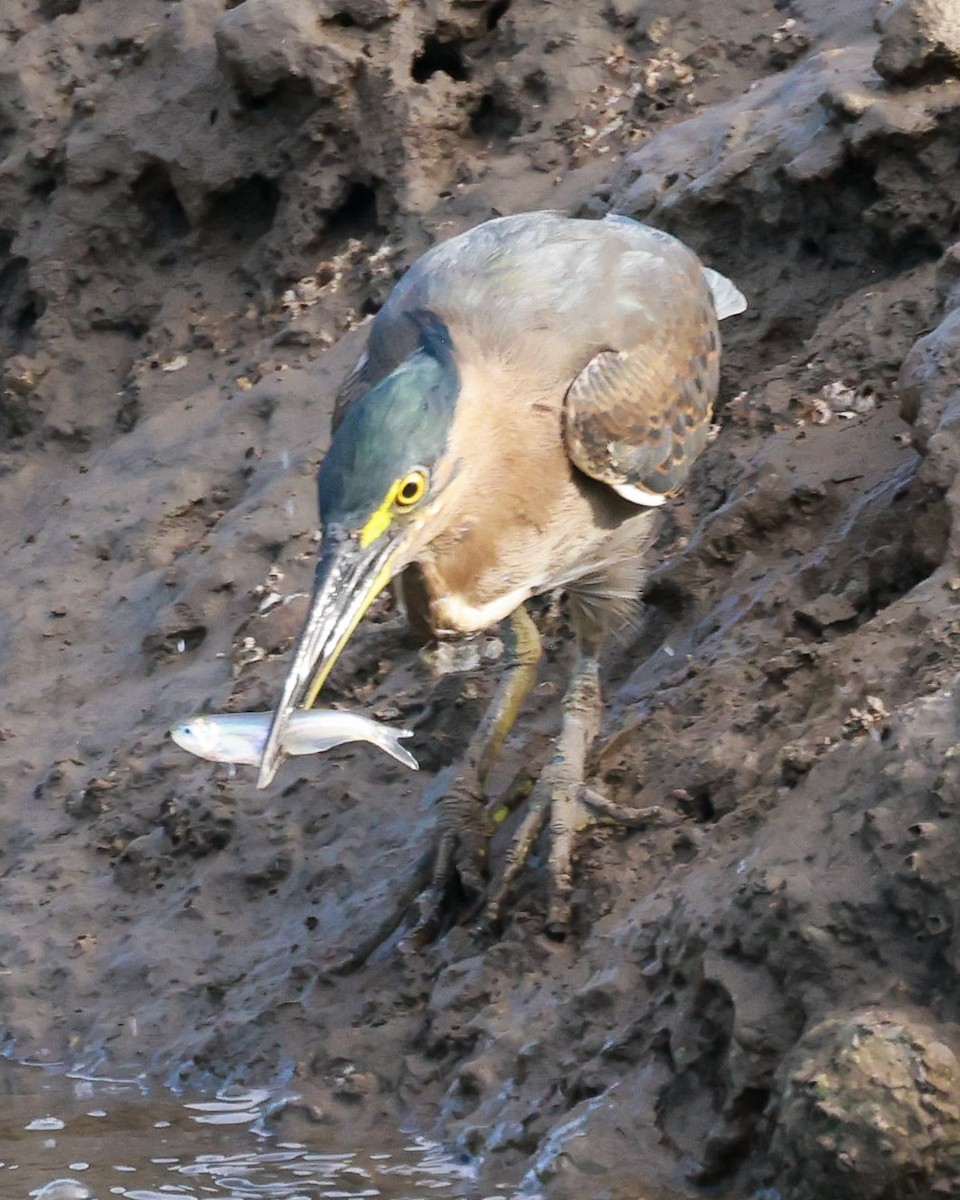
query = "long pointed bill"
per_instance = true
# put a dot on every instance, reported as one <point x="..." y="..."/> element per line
<point x="348" y="579"/>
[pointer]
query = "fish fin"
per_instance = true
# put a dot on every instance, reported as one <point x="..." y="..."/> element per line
<point x="315" y="745"/>
<point x="391" y="744"/>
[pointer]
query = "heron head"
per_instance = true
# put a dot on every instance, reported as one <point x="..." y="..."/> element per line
<point x="378" y="490"/>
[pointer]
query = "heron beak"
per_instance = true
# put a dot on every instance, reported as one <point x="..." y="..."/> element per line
<point x="348" y="579"/>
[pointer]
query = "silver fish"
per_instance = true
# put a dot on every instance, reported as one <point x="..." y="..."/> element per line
<point x="240" y="737"/>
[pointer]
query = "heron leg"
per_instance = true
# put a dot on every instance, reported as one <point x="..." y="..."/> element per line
<point x="568" y="813"/>
<point x="465" y="825"/>
<point x="522" y="640"/>
<point x="558" y="797"/>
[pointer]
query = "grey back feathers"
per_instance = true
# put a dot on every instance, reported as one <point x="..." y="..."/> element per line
<point x="537" y="287"/>
<point x="580" y="307"/>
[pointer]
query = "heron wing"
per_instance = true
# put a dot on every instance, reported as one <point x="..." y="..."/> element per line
<point x="637" y="417"/>
<point x="639" y="412"/>
<point x="625" y="311"/>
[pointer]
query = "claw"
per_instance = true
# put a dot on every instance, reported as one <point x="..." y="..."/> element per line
<point x="465" y="830"/>
<point x="523" y="841"/>
<point x="629" y="818"/>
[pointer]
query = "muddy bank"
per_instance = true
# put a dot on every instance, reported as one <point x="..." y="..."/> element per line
<point x="200" y="204"/>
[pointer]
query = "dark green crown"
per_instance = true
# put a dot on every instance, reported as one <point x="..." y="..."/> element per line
<point x="402" y="422"/>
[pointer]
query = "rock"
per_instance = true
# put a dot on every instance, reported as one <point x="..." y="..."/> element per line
<point x="929" y="382"/>
<point x="869" y="1110"/>
<point x="919" y="38"/>
<point x="264" y="43"/>
<point x="948" y="277"/>
<point x="827" y="610"/>
<point x="365" y="13"/>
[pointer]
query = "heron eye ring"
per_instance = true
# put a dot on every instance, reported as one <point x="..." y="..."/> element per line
<point x="411" y="489"/>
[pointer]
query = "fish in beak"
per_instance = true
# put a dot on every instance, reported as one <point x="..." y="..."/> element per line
<point x="349" y="577"/>
<point x="375" y="488"/>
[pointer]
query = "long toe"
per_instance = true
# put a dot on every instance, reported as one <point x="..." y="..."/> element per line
<point x="568" y="817"/>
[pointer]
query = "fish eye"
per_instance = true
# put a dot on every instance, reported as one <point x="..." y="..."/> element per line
<point x="411" y="488"/>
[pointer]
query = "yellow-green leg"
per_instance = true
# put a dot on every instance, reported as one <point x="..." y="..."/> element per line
<point x="523" y="651"/>
<point x="558" y="795"/>
<point x="561" y="799"/>
<point x="465" y="826"/>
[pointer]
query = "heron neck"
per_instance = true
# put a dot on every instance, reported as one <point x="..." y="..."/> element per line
<point x="509" y="478"/>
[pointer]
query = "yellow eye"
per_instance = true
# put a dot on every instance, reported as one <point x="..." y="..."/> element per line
<point x="411" y="489"/>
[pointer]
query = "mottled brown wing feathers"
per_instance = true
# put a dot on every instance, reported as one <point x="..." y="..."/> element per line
<point x="637" y="419"/>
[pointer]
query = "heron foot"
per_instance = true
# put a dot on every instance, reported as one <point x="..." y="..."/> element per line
<point x="465" y="829"/>
<point x="566" y="806"/>
<point x="460" y="858"/>
<point x="621" y="814"/>
<point x="465" y="823"/>
<point x="557" y="799"/>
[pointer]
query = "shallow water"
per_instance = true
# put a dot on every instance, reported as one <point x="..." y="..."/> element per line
<point x="78" y="1139"/>
<point x="71" y="1137"/>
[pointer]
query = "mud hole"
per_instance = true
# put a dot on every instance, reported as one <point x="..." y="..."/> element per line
<point x="200" y="204"/>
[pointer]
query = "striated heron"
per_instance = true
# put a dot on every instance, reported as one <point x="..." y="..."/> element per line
<point x="531" y="392"/>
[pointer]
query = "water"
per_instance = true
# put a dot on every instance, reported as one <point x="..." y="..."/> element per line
<point x="75" y="1139"/>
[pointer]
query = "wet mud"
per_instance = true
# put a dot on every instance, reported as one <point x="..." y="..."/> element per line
<point x="200" y="206"/>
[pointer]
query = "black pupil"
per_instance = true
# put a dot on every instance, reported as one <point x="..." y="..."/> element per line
<point x="409" y="490"/>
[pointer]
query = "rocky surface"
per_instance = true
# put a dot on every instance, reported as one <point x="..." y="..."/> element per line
<point x="200" y="203"/>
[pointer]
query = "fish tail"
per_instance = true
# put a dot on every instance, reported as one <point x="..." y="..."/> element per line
<point x="390" y="742"/>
